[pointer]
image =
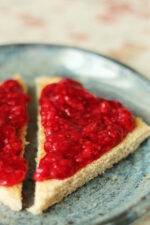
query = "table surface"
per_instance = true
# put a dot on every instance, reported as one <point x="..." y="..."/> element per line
<point x="117" y="28"/>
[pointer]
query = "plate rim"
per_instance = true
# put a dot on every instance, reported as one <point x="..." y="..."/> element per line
<point x="124" y="217"/>
<point x="85" y="50"/>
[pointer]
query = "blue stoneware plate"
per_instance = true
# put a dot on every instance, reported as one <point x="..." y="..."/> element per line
<point x="122" y="194"/>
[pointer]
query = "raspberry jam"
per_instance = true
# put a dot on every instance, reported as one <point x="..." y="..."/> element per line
<point x="13" y="116"/>
<point x="79" y="128"/>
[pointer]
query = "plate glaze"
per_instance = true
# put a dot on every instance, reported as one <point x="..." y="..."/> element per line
<point x="121" y="195"/>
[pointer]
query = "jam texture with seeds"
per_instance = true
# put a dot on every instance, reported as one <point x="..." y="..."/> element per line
<point x="13" y="117"/>
<point x="79" y="128"/>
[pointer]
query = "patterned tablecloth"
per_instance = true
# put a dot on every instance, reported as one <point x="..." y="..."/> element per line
<point x="118" y="28"/>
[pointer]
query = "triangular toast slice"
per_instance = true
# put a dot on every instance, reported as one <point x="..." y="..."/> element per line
<point x="52" y="191"/>
<point x="12" y="196"/>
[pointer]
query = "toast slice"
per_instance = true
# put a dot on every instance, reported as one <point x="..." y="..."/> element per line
<point x="12" y="196"/>
<point x="52" y="191"/>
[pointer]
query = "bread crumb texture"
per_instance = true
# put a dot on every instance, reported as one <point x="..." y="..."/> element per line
<point x="12" y="196"/>
<point x="51" y="191"/>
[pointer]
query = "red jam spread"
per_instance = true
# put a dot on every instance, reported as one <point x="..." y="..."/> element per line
<point x="13" y="116"/>
<point x="79" y="128"/>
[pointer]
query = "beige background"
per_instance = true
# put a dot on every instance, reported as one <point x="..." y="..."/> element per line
<point x="118" y="28"/>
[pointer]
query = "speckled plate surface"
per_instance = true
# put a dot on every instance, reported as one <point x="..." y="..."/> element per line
<point x="121" y="195"/>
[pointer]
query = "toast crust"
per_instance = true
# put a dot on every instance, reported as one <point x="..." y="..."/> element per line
<point x="12" y="196"/>
<point x="52" y="191"/>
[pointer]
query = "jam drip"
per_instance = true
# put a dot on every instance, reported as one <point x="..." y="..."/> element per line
<point x="13" y="117"/>
<point x="79" y="128"/>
